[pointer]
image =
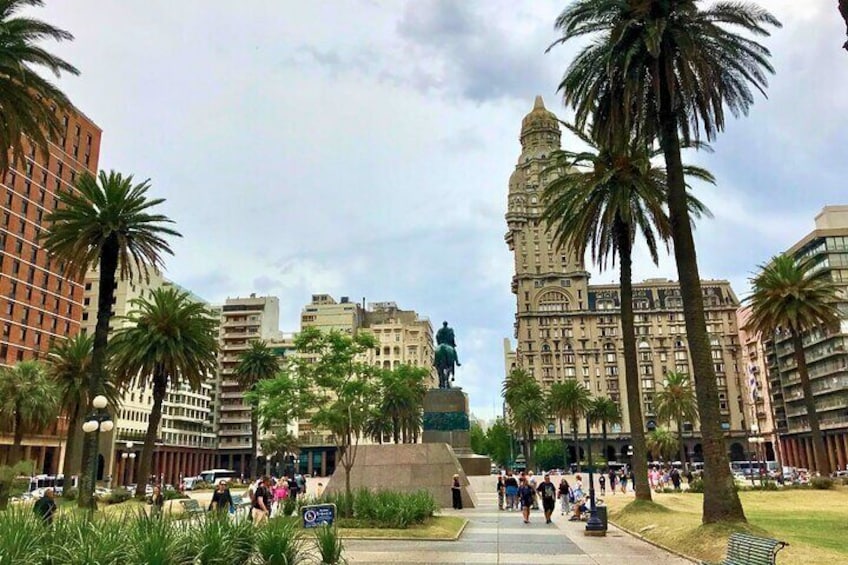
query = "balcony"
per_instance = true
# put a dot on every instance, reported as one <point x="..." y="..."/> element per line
<point x="234" y="420"/>
<point x="234" y="407"/>
<point x="233" y="433"/>
<point x="232" y="395"/>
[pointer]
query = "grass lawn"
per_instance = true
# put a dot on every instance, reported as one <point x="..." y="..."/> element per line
<point x="814" y="522"/>
<point x="438" y="527"/>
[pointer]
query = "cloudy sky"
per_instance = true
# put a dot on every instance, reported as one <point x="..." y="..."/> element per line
<point x="362" y="148"/>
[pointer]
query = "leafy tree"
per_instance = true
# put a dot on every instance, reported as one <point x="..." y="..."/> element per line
<point x="28" y="402"/>
<point x="662" y="442"/>
<point x="499" y="442"/>
<point x="479" y="441"/>
<point x="666" y="70"/>
<point x="526" y="403"/>
<point x="107" y="224"/>
<point x="171" y="340"/>
<point x="601" y="199"/>
<point x="402" y="391"/>
<point x="571" y="400"/>
<point x="795" y="297"/>
<point x="31" y="104"/>
<point x="605" y="412"/>
<point x="278" y="445"/>
<point x="9" y="476"/>
<point x="345" y="387"/>
<point x="257" y="364"/>
<point x="69" y="364"/>
<point x="676" y="402"/>
<point x="549" y="454"/>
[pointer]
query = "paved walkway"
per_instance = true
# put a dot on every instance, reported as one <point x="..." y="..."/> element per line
<point x="501" y="537"/>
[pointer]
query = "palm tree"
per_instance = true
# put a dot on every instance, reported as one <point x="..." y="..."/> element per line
<point x="570" y="400"/>
<point x="31" y="104"/>
<point x="601" y="199"/>
<point x="69" y="364"/>
<point x="28" y="402"/>
<point x="795" y="297"/>
<point x="107" y="224"/>
<point x="171" y="340"/>
<point x="605" y="412"/>
<point x="676" y="402"/>
<point x="662" y="442"/>
<point x="279" y="444"/>
<point x="528" y="414"/>
<point x="378" y="425"/>
<point x="666" y="70"/>
<point x="256" y="364"/>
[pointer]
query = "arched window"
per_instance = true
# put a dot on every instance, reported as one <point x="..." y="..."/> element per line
<point x="553" y="301"/>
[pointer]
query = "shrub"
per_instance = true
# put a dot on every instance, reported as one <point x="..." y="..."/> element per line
<point x="82" y="540"/>
<point x="696" y="485"/>
<point x="280" y="542"/>
<point x="70" y="493"/>
<point x="389" y="509"/>
<point x="329" y="545"/>
<point x="23" y="537"/>
<point x="821" y="483"/>
<point x="118" y="496"/>
<point x="202" y="485"/>
<point x="169" y="494"/>
<point x="155" y="541"/>
<point x="218" y="540"/>
<point x="289" y="505"/>
<point x="845" y="481"/>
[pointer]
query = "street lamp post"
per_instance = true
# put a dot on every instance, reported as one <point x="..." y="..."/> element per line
<point x="98" y="421"/>
<point x="594" y="527"/>
<point x="129" y="458"/>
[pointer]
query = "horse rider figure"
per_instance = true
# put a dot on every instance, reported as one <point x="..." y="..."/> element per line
<point x="445" y="335"/>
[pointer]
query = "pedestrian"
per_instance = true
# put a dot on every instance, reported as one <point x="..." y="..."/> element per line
<point x="157" y="501"/>
<point x="547" y="492"/>
<point x="281" y="493"/>
<point x="612" y="480"/>
<point x="501" y="489"/>
<point x="262" y="501"/>
<point x="294" y="488"/>
<point x="577" y="489"/>
<point x="221" y="498"/>
<point x="675" y="478"/>
<point x="564" y="491"/>
<point x="319" y="490"/>
<point x="511" y="485"/>
<point x="456" y="492"/>
<point x="532" y="480"/>
<point x="602" y="482"/>
<point x="622" y="480"/>
<point x="45" y="507"/>
<point x="525" y="496"/>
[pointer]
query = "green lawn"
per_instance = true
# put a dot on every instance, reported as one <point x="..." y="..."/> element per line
<point x="815" y="523"/>
<point x="436" y="528"/>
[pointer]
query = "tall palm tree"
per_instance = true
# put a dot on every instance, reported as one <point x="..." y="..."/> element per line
<point x="605" y="412"/>
<point x="796" y="296"/>
<point x="69" y="364"/>
<point x="527" y="406"/>
<point x="662" y="442"/>
<point x="570" y="400"/>
<point x="256" y="364"/>
<point x="171" y="340"/>
<point x="278" y="445"/>
<point x="28" y="402"/>
<point x="666" y="70"/>
<point x="105" y="223"/>
<point x="378" y="425"/>
<point x="602" y="198"/>
<point x="31" y="105"/>
<point x="676" y="403"/>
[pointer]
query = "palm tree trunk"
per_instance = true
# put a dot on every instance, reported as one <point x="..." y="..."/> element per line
<point x="70" y="464"/>
<point x="395" y="429"/>
<point x="564" y="446"/>
<point x="16" y="452"/>
<point x="604" y="439"/>
<point x="106" y="289"/>
<point x="576" y="442"/>
<point x="160" y="388"/>
<point x="682" y="444"/>
<point x="254" y="443"/>
<point x="531" y="458"/>
<point x="631" y="369"/>
<point x="819" y="452"/>
<point x="721" y="501"/>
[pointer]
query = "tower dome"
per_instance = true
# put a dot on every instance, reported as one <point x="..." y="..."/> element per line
<point x="540" y="129"/>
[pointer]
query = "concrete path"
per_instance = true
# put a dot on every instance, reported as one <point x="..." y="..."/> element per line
<point x="501" y="537"/>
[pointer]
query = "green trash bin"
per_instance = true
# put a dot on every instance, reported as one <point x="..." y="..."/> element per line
<point x="602" y="515"/>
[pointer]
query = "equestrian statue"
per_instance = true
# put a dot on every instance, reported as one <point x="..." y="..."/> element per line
<point x="446" y="359"/>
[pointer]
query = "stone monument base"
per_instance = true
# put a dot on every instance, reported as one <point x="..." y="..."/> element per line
<point x="446" y="421"/>
<point x="475" y="465"/>
<point x="407" y="468"/>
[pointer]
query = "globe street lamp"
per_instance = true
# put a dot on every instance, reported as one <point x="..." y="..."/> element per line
<point x="98" y="421"/>
<point x="128" y="471"/>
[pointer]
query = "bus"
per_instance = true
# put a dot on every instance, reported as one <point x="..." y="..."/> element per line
<point x="215" y="476"/>
<point x="56" y="482"/>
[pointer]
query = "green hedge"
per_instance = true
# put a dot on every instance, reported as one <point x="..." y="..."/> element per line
<point x="383" y="508"/>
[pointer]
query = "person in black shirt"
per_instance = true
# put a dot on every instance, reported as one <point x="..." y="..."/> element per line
<point x="548" y="493"/>
<point x="511" y="486"/>
<point x="602" y="481"/>
<point x="45" y="507"/>
<point x="456" y="492"/>
<point x="262" y="501"/>
<point x="501" y="489"/>
<point x="525" y="496"/>
<point x="157" y="501"/>
<point x="221" y="498"/>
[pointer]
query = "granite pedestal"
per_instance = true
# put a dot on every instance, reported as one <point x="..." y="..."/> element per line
<point x="446" y="421"/>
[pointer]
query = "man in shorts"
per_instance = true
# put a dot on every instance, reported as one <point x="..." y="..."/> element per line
<point x="548" y="493"/>
<point x="262" y="501"/>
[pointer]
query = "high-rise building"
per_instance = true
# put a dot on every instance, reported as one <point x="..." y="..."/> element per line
<point x="186" y="440"/>
<point x="403" y="337"/>
<point x="825" y="351"/>
<point x="38" y="303"/>
<point x="243" y="321"/>
<point x="566" y="328"/>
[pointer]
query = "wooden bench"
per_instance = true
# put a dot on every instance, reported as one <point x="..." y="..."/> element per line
<point x="192" y="507"/>
<point x="745" y="549"/>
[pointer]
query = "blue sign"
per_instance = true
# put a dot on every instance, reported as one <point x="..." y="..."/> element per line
<point x="318" y="514"/>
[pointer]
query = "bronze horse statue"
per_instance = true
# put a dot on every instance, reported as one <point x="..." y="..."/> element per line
<point x="445" y="362"/>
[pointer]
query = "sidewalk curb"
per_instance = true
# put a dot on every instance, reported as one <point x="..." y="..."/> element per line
<point x="378" y="538"/>
<point x="656" y="544"/>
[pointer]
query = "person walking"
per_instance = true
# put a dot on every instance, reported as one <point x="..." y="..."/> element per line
<point x="525" y="496"/>
<point x="602" y="482"/>
<point x="612" y="480"/>
<point x="262" y="502"/>
<point x="221" y="498"/>
<point x="45" y="507"/>
<point x="511" y="485"/>
<point x="532" y="480"/>
<point x="675" y="478"/>
<point x="157" y="501"/>
<point x="501" y="489"/>
<point x="548" y="493"/>
<point x="622" y="480"/>
<point x="281" y="492"/>
<point x="563" y="496"/>
<point x="456" y="491"/>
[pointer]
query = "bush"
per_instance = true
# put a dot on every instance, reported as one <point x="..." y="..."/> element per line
<point x="70" y="493"/>
<point x="281" y="542"/>
<point x="389" y="509"/>
<point x="169" y="494"/>
<point x="845" y="481"/>
<point x="821" y="483"/>
<point x="696" y="485"/>
<point x="202" y="485"/>
<point x="289" y="505"/>
<point x="329" y="544"/>
<point x="117" y="496"/>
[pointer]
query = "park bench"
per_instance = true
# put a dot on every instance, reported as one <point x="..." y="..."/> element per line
<point x="192" y="507"/>
<point x="745" y="549"/>
<point x="239" y="501"/>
